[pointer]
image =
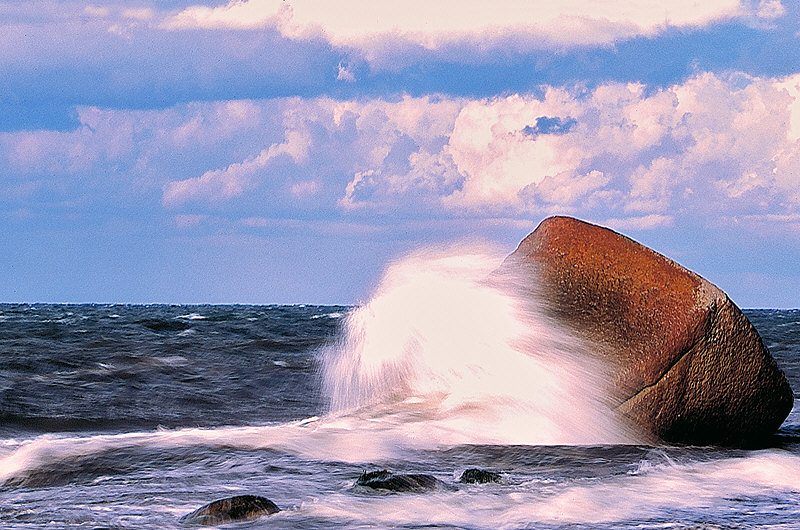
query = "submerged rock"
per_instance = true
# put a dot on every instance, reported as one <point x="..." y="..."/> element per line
<point x="689" y="366"/>
<point x="386" y="480"/>
<point x="239" y="508"/>
<point x="479" y="476"/>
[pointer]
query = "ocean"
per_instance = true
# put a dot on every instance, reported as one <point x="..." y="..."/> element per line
<point x="131" y="416"/>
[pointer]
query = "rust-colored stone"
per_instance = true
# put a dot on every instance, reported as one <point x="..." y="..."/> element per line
<point x="689" y="367"/>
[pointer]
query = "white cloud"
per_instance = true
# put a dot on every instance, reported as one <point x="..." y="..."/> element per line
<point x="710" y="146"/>
<point x="236" y="14"/>
<point x="488" y="145"/>
<point x="237" y="178"/>
<point x="566" y="189"/>
<point x="647" y="222"/>
<point x="350" y="21"/>
<point x="96" y="11"/>
<point x="527" y="25"/>
<point x="142" y="13"/>
<point x="726" y="138"/>
<point x="651" y="186"/>
<point x="345" y="73"/>
<point x="303" y="189"/>
<point x="770" y="9"/>
<point x="361" y="178"/>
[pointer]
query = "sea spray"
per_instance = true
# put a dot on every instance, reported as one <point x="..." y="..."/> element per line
<point x="450" y="357"/>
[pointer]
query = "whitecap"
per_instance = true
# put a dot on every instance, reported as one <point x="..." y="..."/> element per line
<point x="192" y="316"/>
<point x="335" y="314"/>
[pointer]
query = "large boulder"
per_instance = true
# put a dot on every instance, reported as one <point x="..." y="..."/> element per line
<point x="688" y="366"/>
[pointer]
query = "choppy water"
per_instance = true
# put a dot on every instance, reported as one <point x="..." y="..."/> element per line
<point x="132" y="416"/>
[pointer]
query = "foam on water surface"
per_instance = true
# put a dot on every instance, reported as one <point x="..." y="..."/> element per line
<point x="665" y="490"/>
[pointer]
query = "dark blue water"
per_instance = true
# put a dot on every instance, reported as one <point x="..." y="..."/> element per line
<point x="131" y="416"/>
<point x="96" y="367"/>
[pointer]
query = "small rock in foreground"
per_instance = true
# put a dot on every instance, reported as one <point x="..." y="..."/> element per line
<point x="239" y="508"/>
<point x="479" y="476"/>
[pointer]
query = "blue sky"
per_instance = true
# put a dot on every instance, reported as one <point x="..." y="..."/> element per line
<point x="266" y="151"/>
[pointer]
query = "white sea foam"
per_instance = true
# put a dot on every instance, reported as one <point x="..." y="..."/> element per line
<point x="335" y="314"/>
<point x="694" y="486"/>
<point x="307" y="438"/>
<point x="192" y="316"/>
<point x="331" y="438"/>
<point x="701" y="487"/>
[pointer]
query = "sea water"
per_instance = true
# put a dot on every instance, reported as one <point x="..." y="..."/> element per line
<point x="122" y="416"/>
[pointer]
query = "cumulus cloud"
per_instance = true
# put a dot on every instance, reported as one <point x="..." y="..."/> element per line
<point x="435" y="25"/>
<point x="770" y="9"/>
<point x="713" y="147"/>
<point x="709" y="146"/>
<point x="237" y="178"/>
<point x="712" y="143"/>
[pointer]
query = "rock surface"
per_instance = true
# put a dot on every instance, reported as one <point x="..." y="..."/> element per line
<point x="479" y="476"/>
<point x="239" y="508"/>
<point x="689" y="367"/>
<point x="386" y="480"/>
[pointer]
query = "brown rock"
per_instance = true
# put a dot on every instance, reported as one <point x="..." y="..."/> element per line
<point x="239" y="508"/>
<point x="689" y="367"/>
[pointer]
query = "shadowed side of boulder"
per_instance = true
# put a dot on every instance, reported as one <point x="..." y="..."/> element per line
<point x="388" y="481"/>
<point x="239" y="508"/>
<point x="689" y="367"/>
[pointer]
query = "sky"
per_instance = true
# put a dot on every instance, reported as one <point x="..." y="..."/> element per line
<point x="286" y="151"/>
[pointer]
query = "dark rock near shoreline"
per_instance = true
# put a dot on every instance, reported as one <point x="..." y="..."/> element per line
<point x="239" y="508"/>
<point x="689" y="367"/>
<point x="479" y="476"/>
<point x="386" y="480"/>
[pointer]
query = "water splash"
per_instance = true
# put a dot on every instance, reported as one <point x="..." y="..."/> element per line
<point x="443" y="352"/>
<point x="438" y="357"/>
